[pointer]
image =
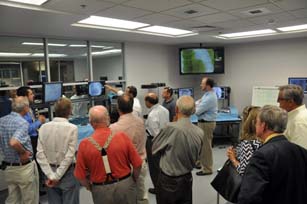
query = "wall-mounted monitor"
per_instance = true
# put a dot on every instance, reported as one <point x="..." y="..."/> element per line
<point x="201" y="60"/>
<point x="185" y="92"/>
<point x="300" y="81"/>
<point x="219" y="91"/>
<point x="52" y="91"/>
<point x="96" y="88"/>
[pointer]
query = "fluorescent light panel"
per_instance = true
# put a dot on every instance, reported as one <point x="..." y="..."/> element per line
<point x="106" y="52"/>
<point x="248" y="33"/>
<point x="50" y="55"/>
<point x="77" y="45"/>
<point x="41" y="44"/>
<point x="13" y="54"/>
<point x="293" y="28"/>
<point x="112" y="22"/>
<point x="32" y="2"/>
<point x="166" y="30"/>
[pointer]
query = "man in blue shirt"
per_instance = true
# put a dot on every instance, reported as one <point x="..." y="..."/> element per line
<point x="20" y="171"/>
<point x="206" y="111"/>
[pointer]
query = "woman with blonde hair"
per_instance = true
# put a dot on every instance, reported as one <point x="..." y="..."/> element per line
<point x="249" y="143"/>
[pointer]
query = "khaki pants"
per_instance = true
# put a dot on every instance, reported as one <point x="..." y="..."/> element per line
<point x="141" y="190"/>
<point x="123" y="191"/>
<point x="206" y="158"/>
<point x="23" y="184"/>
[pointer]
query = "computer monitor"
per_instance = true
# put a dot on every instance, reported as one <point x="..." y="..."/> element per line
<point x="96" y="88"/>
<point x="185" y="92"/>
<point x="300" y="81"/>
<point x="52" y="91"/>
<point x="81" y="89"/>
<point x="219" y="91"/>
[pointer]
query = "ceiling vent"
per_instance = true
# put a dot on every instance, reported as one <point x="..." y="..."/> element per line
<point x="257" y="12"/>
<point x="191" y="11"/>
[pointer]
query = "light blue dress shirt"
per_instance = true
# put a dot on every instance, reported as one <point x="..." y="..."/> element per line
<point x="206" y="109"/>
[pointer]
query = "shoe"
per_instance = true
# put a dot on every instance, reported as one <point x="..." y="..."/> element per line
<point x="197" y="167"/>
<point x="201" y="173"/>
<point x="152" y="191"/>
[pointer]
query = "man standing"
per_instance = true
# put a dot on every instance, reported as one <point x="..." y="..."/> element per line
<point x="56" y="154"/>
<point x="132" y="92"/>
<point x="107" y="158"/>
<point x="157" y="119"/>
<point x="291" y="98"/>
<point x="169" y="102"/>
<point x="21" y="172"/>
<point x="133" y="126"/>
<point x="206" y="111"/>
<point x="277" y="171"/>
<point x="30" y="116"/>
<point x="179" y="145"/>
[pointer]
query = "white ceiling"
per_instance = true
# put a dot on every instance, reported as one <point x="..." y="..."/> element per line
<point x="212" y="17"/>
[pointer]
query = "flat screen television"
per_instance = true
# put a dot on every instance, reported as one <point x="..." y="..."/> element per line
<point x="219" y="91"/>
<point x="185" y="92"/>
<point x="52" y="91"/>
<point x="96" y="88"/>
<point x="300" y="81"/>
<point x="201" y="60"/>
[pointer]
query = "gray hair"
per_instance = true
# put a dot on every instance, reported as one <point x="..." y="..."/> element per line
<point x="19" y="103"/>
<point x="293" y="92"/>
<point x="99" y="114"/>
<point x="186" y="105"/>
<point x="274" y="117"/>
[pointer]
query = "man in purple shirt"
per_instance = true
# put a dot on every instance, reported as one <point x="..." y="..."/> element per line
<point x="134" y="127"/>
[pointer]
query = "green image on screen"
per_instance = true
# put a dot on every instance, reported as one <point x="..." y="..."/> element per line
<point x="197" y="61"/>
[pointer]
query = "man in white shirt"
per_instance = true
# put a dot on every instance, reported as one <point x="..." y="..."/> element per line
<point x="157" y="119"/>
<point x="56" y="155"/>
<point x="132" y="92"/>
<point x="290" y="98"/>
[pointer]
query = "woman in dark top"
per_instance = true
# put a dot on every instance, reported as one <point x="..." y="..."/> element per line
<point x="241" y="155"/>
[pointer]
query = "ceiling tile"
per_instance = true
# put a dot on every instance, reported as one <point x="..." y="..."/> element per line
<point x="301" y="13"/>
<point x="185" y="24"/>
<point x="219" y="17"/>
<point x="199" y="9"/>
<point x="73" y="6"/>
<point x="156" y="5"/>
<point x="291" y="4"/>
<point x="122" y="12"/>
<point x="156" y="19"/>
<point x="231" y="4"/>
<point x="114" y="1"/>
<point x="234" y="24"/>
<point x="272" y="19"/>
<point x="240" y="12"/>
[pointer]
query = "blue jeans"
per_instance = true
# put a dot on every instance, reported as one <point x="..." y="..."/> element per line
<point x="67" y="191"/>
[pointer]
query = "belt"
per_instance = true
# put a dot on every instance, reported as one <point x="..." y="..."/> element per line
<point x="16" y="164"/>
<point x="57" y="165"/>
<point x="189" y="173"/>
<point x="111" y="182"/>
<point x="205" y="121"/>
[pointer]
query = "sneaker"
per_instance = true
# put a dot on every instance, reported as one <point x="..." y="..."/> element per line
<point x="201" y="173"/>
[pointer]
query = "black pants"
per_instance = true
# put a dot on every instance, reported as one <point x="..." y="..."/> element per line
<point x="153" y="162"/>
<point x="174" y="190"/>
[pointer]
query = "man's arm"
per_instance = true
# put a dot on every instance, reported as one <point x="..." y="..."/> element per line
<point x="136" y="173"/>
<point x="23" y="153"/>
<point x="160" y="141"/>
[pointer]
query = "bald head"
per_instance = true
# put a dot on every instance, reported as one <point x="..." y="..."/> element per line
<point x="99" y="117"/>
<point x="20" y="105"/>
<point x="185" y="106"/>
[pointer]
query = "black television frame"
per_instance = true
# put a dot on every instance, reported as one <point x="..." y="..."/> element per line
<point x="214" y="48"/>
<point x="44" y="91"/>
<point x="186" y="88"/>
<point x="299" y="78"/>
<point x="103" y="92"/>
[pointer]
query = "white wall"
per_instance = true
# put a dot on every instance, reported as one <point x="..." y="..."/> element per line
<point x="112" y="67"/>
<point x="81" y="70"/>
<point x="268" y="63"/>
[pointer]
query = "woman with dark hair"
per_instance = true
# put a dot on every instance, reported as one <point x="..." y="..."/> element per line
<point x="241" y="155"/>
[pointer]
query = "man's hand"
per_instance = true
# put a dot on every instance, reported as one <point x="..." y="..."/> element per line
<point x="24" y="157"/>
<point x="42" y="118"/>
<point x="51" y="183"/>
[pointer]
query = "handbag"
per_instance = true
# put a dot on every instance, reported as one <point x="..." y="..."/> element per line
<point x="227" y="182"/>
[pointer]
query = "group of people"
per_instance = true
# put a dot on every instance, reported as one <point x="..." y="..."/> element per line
<point x="112" y="162"/>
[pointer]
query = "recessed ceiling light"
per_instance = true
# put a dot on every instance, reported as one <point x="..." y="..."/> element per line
<point x="77" y="45"/>
<point x="106" y="52"/>
<point x="166" y="30"/>
<point x="41" y="44"/>
<point x="98" y="46"/>
<point x="32" y="43"/>
<point x="112" y="22"/>
<point x="57" y="45"/>
<point x="247" y="34"/>
<point x="293" y="28"/>
<point x="13" y="54"/>
<point x="33" y="2"/>
<point x="50" y="55"/>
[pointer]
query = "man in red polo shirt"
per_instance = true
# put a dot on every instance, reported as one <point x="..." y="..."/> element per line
<point x="118" y="186"/>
